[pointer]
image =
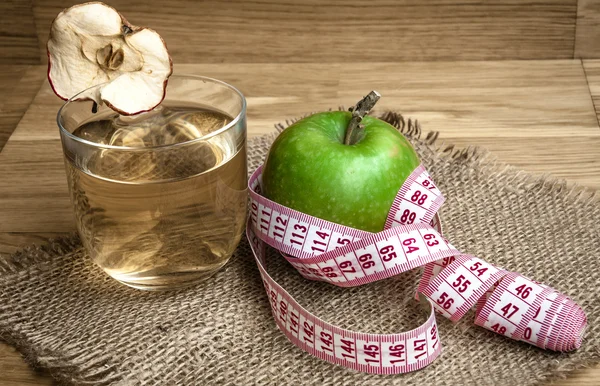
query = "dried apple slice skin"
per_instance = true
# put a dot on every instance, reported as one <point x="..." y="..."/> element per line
<point x="92" y="44"/>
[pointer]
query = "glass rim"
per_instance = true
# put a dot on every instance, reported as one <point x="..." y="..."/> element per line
<point x="75" y="98"/>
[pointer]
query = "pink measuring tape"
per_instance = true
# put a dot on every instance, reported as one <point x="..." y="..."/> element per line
<point x="453" y="283"/>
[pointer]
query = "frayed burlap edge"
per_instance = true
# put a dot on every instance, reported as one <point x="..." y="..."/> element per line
<point x="83" y="365"/>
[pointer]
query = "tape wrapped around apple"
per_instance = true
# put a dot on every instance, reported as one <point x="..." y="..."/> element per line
<point x="340" y="166"/>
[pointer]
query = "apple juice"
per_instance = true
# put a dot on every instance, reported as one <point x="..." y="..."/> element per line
<point x="154" y="219"/>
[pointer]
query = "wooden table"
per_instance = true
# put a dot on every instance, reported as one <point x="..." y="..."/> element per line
<point x="536" y="115"/>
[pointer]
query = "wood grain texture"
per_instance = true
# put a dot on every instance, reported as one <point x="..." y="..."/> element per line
<point x="510" y="107"/>
<point x="18" y="35"/>
<point x="576" y="159"/>
<point x="18" y="86"/>
<point x="34" y="187"/>
<point x="583" y="377"/>
<point x="505" y="99"/>
<point x="347" y="30"/>
<point x="11" y="242"/>
<point x="499" y="99"/>
<point x="9" y="78"/>
<point x="592" y="72"/>
<point x="14" y="371"/>
<point x="537" y="115"/>
<point x="587" y="37"/>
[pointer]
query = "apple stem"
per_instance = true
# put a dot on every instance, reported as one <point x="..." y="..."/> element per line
<point x="94" y="107"/>
<point x="359" y="111"/>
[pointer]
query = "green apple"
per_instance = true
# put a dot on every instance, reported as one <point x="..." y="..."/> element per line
<point x="310" y="169"/>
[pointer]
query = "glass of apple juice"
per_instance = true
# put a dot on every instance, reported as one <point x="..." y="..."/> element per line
<point x="159" y="197"/>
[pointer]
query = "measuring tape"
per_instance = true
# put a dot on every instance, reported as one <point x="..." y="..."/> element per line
<point x="453" y="283"/>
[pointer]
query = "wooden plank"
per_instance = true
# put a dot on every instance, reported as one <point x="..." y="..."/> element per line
<point x="274" y="92"/>
<point x="11" y="242"/>
<point x="507" y="98"/>
<point x="592" y="72"/>
<point x="18" y="84"/>
<point x="484" y="99"/>
<point x="18" y="36"/>
<point x="14" y="371"/>
<point x="518" y="110"/>
<point x="587" y="37"/>
<point x="575" y="159"/>
<point x="10" y="75"/>
<point x="583" y="377"/>
<point x="34" y="187"/>
<point x="509" y="107"/>
<point x="347" y="30"/>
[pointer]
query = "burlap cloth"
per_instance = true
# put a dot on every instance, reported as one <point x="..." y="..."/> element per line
<point x="66" y="315"/>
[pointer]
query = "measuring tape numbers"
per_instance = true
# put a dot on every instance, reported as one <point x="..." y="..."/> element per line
<point x="453" y="283"/>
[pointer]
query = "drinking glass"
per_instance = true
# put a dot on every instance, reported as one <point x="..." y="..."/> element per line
<point x="160" y="201"/>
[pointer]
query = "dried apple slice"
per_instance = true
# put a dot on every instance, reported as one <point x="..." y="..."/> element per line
<point x="92" y="44"/>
